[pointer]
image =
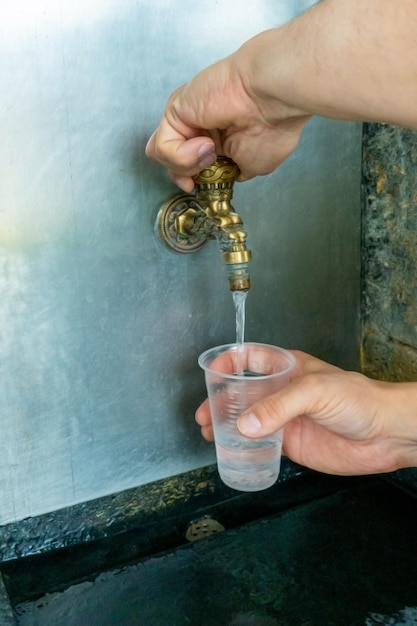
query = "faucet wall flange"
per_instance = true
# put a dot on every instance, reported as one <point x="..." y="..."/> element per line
<point x="172" y="221"/>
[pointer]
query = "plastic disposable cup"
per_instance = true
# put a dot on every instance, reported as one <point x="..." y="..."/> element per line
<point x="244" y="464"/>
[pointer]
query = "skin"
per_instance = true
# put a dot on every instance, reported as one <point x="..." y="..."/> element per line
<point x="343" y="59"/>
<point x="335" y="421"/>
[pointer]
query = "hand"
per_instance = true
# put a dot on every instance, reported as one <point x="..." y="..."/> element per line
<point x="217" y="114"/>
<point x="335" y="421"/>
<point x="253" y="105"/>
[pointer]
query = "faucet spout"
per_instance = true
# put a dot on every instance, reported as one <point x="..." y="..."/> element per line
<point x="214" y="192"/>
<point x="188" y="221"/>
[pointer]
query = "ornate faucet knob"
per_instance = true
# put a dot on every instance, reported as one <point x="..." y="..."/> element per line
<point x="216" y="178"/>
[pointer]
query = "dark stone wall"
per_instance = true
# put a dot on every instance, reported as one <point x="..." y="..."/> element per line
<point x="389" y="260"/>
<point x="389" y="253"/>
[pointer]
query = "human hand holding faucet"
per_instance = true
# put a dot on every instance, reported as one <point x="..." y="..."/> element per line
<point x="342" y="59"/>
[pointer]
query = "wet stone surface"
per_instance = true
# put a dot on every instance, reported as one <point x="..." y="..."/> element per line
<point x="346" y="559"/>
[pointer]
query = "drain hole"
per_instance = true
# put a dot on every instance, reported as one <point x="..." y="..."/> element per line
<point x="203" y="527"/>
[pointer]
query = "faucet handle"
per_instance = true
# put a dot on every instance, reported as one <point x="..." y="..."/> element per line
<point x="216" y="179"/>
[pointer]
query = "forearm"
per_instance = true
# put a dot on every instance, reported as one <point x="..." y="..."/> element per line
<point x="344" y="59"/>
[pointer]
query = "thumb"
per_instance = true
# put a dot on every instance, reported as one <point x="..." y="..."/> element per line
<point x="273" y="412"/>
<point x="189" y="151"/>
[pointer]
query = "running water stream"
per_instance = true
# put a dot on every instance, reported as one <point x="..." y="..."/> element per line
<point x="239" y="298"/>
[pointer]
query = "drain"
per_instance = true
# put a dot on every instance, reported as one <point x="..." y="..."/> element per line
<point x="203" y="527"/>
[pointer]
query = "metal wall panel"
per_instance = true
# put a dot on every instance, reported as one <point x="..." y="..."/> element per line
<point x="100" y="325"/>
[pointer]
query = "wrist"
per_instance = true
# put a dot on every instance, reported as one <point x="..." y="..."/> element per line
<point x="400" y="410"/>
<point x="314" y="63"/>
<point x="265" y="71"/>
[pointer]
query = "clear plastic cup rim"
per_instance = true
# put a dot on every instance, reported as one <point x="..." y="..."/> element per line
<point x="232" y="347"/>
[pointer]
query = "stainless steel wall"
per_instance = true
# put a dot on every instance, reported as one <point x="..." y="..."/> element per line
<point x="100" y="325"/>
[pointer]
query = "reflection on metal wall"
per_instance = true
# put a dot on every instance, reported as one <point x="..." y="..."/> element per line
<point x="101" y="326"/>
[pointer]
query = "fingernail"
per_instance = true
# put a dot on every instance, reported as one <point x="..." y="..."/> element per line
<point x="249" y="424"/>
<point x="206" y="155"/>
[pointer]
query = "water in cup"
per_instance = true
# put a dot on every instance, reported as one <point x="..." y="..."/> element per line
<point x="248" y="468"/>
<point x="244" y="464"/>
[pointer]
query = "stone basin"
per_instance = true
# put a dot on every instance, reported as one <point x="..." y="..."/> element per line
<point x="313" y="550"/>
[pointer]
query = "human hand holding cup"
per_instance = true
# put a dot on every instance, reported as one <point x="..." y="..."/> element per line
<point x="244" y="464"/>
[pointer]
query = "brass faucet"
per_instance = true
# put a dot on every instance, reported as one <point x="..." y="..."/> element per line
<point x="187" y="221"/>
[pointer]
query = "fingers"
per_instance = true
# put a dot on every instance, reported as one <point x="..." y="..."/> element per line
<point x="190" y="156"/>
<point x="259" y="148"/>
<point x="185" y="146"/>
<point x="186" y="183"/>
<point x="274" y="411"/>
<point x="203" y="418"/>
<point x="183" y="157"/>
<point x="307" y="364"/>
<point x="303" y="396"/>
<point x="202" y="415"/>
<point x="207" y="432"/>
